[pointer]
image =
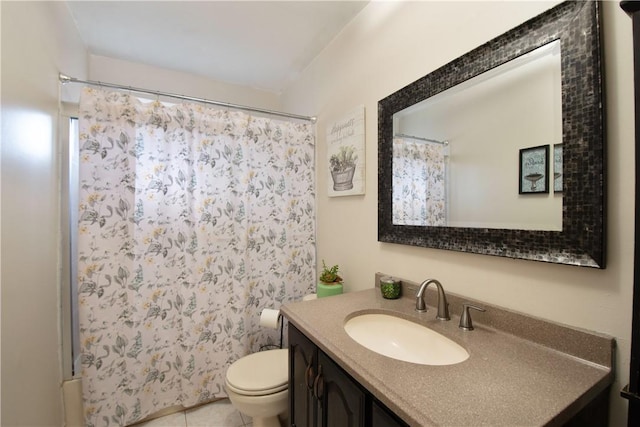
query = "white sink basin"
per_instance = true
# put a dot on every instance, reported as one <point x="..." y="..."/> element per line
<point x="402" y="339"/>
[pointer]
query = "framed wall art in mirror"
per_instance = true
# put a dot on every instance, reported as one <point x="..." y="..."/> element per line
<point x="574" y="137"/>
<point x="534" y="170"/>
<point x="557" y="168"/>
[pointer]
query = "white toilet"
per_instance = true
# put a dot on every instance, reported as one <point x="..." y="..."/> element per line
<point x="257" y="386"/>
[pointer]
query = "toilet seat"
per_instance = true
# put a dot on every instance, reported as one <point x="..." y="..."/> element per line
<point x="259" y="374"/>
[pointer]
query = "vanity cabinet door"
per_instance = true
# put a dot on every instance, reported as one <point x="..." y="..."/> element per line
<point x="380" y="417"/>
<point x="341" y="402"/>
<point x="303" y="360"/>
<point x="322" y="394"/>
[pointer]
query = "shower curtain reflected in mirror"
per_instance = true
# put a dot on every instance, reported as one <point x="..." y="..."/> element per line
<point x="191" y="221"/>
<point x="419" y="184"/>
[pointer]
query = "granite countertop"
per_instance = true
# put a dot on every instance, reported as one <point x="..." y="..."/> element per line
<point x="507" y="380"/>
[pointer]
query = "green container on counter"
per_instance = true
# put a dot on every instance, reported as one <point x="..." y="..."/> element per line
<point x="390" y="287"/>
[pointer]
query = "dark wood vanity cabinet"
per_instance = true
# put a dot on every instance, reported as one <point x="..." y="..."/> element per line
<point x="380" y="417"/>
<point x="321" y="394"/>
<point x="303" y="361"/>
<point x="341" y="401"/>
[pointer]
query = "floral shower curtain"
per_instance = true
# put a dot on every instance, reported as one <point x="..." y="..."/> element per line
<point x="419" y="194"/>
<point x="191" y="221"/>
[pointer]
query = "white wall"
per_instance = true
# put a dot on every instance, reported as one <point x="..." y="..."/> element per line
<point x="38" y="41"/>
<point x="128" y="73"/>
<point x="391" y="44"/>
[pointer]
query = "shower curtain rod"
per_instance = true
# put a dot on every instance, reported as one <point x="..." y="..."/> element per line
<point x="64" y="79"/>
<point x="419" y="138"/>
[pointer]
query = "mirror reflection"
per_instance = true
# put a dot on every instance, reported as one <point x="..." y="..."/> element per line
<point x="486" y="153"/>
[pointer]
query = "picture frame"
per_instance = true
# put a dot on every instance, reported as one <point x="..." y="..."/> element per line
<point x="533" y="175"/>
<point x="346" y="154"/>
<point x="557" y="168"/>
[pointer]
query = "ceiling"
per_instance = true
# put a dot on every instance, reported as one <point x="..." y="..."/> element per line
<point x="259" y="44"/>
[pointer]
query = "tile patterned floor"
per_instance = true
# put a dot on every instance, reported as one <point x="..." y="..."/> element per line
<point x="216" y="414"/>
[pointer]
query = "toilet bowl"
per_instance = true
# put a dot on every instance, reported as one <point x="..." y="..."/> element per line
<point x="257" y="386"/>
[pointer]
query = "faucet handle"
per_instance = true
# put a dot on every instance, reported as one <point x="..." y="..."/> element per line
<point x="465" y="318"/>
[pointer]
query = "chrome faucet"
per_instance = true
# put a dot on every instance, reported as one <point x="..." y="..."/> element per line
<point x="443" y="306"/>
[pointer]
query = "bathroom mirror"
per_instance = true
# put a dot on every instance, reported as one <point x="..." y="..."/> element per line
<point x="569" y="148"/>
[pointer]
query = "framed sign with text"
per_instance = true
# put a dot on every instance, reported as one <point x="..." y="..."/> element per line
<point x="346" y="154"/>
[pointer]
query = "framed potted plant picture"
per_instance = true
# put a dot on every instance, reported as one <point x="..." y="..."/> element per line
<point x="346" y="154"/>
<point x="534" y="170"/>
